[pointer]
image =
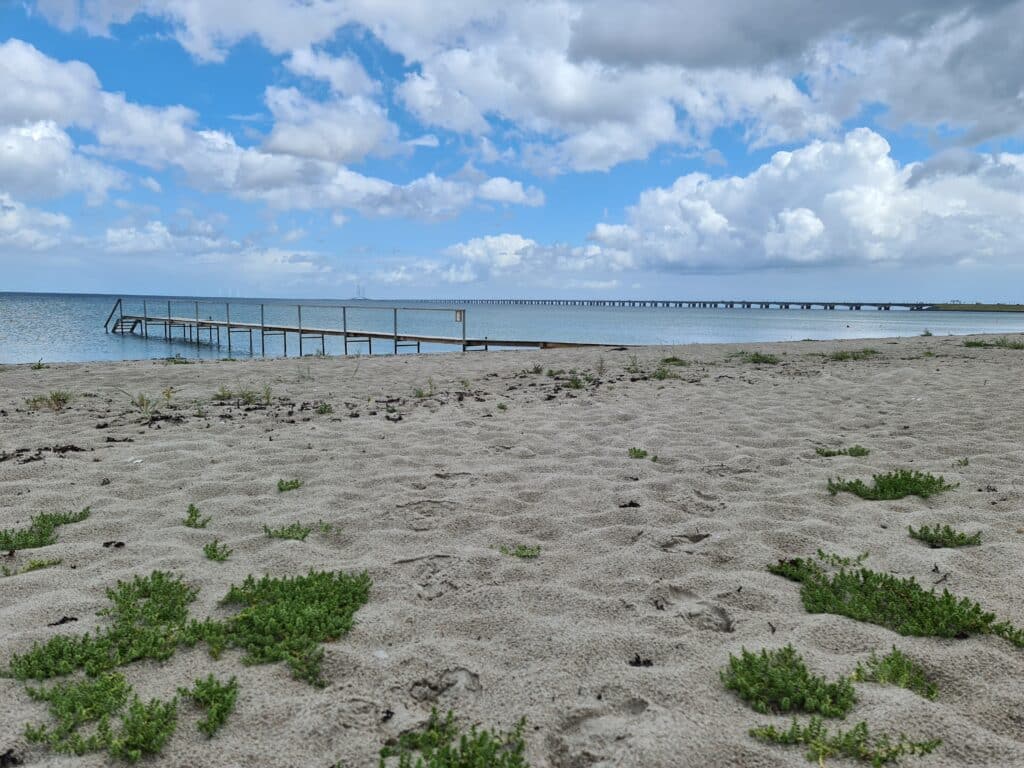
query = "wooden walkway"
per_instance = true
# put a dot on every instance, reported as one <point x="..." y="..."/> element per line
<point x="198" y="330"/>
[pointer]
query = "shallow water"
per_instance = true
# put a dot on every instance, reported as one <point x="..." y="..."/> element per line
<point x="67" y="327"/>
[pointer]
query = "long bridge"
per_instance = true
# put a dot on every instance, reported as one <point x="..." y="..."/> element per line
<point x="701" y="303"/>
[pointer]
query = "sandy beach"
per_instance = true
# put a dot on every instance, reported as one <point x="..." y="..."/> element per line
<point x="649" y="574"/>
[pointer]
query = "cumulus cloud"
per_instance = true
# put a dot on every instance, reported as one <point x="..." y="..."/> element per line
<point x="344" y="73"/>
<point x="836" y="202"/>
<point x="27" y="229"/>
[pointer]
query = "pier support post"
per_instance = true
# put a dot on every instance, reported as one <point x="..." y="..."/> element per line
<point x="145" y="320"/>
<point x="227" y="307"/>
<point x="300" y="329"/>
<point x="197" y="323"/>
<point x="263" y="336"/>
<point x="344" y="328"/>
<point x="394" y="326"/>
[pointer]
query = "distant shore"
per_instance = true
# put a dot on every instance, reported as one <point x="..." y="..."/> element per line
<point x="578" y="537"/>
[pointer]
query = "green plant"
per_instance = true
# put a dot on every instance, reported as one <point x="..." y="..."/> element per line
<point x="662" y="372"/>
<point x="325" y="408"/>
<point x="857" y="743"/>
<point x="552" y="373"/>
<point x="926" y="332"/>
<point x="1004" y="343"/>
<point x="575" y="382"/>
<point x="217" y="698"/>
<point x="853" y="450"/>
<point x="288" y="485"/>
<point x="442" y="745"/>
<point x="223" y="394"/>
<point x="537" y="369"/>
<point x="937" y="537"/>
<point x="896" y="668"/>
<point x="522" y="551"/>
<point x="55" y="401"/>
<point x="893" y="485"/>
<point x="41" y="530"/>
<point x="192" y="518"/>
<point x="502" y="406"/>
<point x="962" y="462"/>
<point x="901" y="605"/>
<point x="419" y="393"/>
<point x="144" y="728"/>
<point x="295" y="531"/>
<point x="779" y="682"/>
<point x="637" y="453"/>
<point x="286" y="619"/>
<point x="248" y="396"/>
<point x="38" y="365"/>
<point x="978" y="343"/>
<point x="38" y="565"/>
<point x="757" y="358"/>
<point x="673" y="361"/>
<point x="217" y="551"/>
<point x="841" y="355"/>
<point x="268" y="395"/>
<point x="633" y="366"/>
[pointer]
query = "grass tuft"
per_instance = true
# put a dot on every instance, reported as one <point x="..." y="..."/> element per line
<point x="901" y="605"/>
<point x="637" y="453"/>
<point x="756" y="358"/>
<point x="896" y="668"/>
<point x="522" y="551"/>
<point x="193" y="519"/>
<point x="324" y="409"/>
<point x="217" y="551"/>
<point x="853" y="450"/>
<point x="893" y="485"/>
<point x="944" y="537"/>
<point x="296" y="531"/>
<point x="55" y="401"/>
<point x="217" y="698"/>
<point x="288" y="485"/>
<point x="842" y="355"/>
<point x="857" y="743"/>
<point x="674" y="361"/>
<point x="41" y="531"/>
<point x="779" y="682"/>
<point x="442" y="745"/>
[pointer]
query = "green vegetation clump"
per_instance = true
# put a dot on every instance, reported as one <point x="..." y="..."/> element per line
<point x="842" y="355"/>
<point x="662" y="372"/>
<point x="637" y="453"/>
<point x="756" y="358"/>
<point x="144" y="728"/>
<point x="779" y="682"/>
<point x="280" y="620"/>
<point x="896" y="668"/>
<point x="296" y="531"/>
<point x="442" y="745"/>
<point x="502" y="406"/>
<point x="893" y="485"/>
<point x="41" y="530"/>
<point x="901" y="605"/>
<point x="223" y="394"/>
<point x="55" y="401"/>
<point x="324" y="409"/>
<point x="217" y="698"/>
<point x="193" y="519"/>
<point x="288" y="485"/>
<point x="853" y="450"/>
<point x="217" y="551"/>
<point x="977" y="343"/>
<point x="522" y="551"/>
<point x="286" y="619"/>
<point x="31" y="565"/>
<point x="674" y="361"/>
<point x="857" y="743"/>
<point x="938" y="538"/>
<point x="1004" y="343"/>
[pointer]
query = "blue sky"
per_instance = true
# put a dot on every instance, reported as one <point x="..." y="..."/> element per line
<point x="450" y="149"/>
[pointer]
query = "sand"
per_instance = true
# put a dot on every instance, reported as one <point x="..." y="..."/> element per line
<point x="661" y="561"/>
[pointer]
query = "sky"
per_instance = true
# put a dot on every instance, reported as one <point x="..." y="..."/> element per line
<point x="465" y="148"/>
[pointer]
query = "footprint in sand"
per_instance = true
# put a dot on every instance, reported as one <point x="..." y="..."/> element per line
<point x="702" y="614"/>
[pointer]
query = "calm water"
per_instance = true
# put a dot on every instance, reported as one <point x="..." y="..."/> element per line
<point x="63" y="327"/>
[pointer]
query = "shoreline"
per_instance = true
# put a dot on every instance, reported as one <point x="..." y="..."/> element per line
<point x="425" y="467"/>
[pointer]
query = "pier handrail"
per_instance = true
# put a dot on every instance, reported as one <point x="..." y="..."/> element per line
<point x="117" y="305"/>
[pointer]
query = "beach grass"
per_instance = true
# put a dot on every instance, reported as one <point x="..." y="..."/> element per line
<point x="842" y="355"/>
<point x="856" y="743"/>
<point x="853" y="450"/>
<point x="893" y="485"/>
<point x="217" y="698"/>
<point x="637" y="453"/>
<point x="288" y="485"/>
<point x="939" y="537"/>
<point x="296" y="531"/>
<point x="56" y="400"/>
<point x="901" y="605"/>
<point x="216" y="551"/>
<point x="41" y="530"/>
<point x="442" y="744"/>
<point x="756" y="358"/>
<point x="896" y="668"/>
<point x="193" y="518"/>
<point x="778" y="682"/>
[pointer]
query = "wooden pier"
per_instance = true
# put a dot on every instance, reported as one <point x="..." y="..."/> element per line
<point x="199" y="330"/>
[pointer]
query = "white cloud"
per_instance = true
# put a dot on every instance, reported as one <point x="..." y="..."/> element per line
<point x="341" y="130"/>
<point x="344" y="73"/>
<point x="38" y="161"/>
<point x="838" y="202"/>
<point x="502" y="190"/>
<point x="28" y="229"/>
<point x="154" y="237"/>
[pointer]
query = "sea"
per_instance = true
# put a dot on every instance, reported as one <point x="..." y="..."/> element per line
<point x="70" y="327"/>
